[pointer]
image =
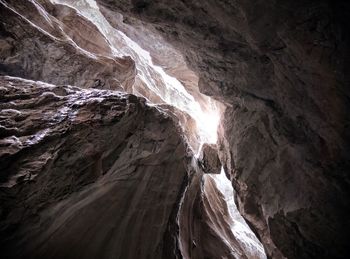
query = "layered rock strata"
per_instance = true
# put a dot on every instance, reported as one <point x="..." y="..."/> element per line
<point x="42" y="44"/>
<point x="208" y="226"/>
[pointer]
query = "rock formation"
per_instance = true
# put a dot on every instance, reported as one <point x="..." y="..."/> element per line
<point x="82" y="169"/>
<point x="85" y="168"/>
<point x="209" y="159"/>
<point x="281" y="68"/>
<point x="96" y="173"/>
<point x="209" y="227"/>
<point x="38" y="46"/>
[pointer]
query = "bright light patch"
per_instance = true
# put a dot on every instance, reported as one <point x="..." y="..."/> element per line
<point x="238" y="226"/>
<point x="208" y="124"/>
<point x="170" y="90"/>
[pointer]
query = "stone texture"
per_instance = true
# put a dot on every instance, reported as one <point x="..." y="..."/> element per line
<point x="281" y="69"/>
<point x="87" y="173"/>
<point x="205" y="223"/>
<point x="93" y="173"/>
<point x="200" y="233"/>
<point x="209" y="159"/>
<point x="99" y="174"/>
<point x="42" y="44"/>
<point x="72" y="43"/>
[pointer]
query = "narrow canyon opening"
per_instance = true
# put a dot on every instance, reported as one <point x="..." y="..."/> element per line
<point x="173" y="129"/>
<point x="171" y="86"/>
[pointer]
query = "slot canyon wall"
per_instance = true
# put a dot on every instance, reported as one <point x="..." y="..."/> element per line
<point x="92" y="173"/>
<point x="81" y="174"/>
<point x="281" y="67"/>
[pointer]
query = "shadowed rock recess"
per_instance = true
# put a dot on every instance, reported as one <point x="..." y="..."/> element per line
<point x="109" y="113"/>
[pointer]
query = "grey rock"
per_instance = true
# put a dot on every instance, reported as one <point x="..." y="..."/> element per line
<point x="209" y="159"/>
<point x="81" y="171"/>
<point x="57" y="47"/>
<point x="281" y="69"/>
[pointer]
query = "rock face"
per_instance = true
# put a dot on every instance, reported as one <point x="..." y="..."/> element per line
<point x="81" y="171"/>
<point x="71" y="42"/>
<point x="100" y="174"/>
<point x="95" y="173"/>
<point x="281" y="68"/>
<point x="42" y="44"/>
<point x="209" y="159"/>
<point x="206" y="223"/>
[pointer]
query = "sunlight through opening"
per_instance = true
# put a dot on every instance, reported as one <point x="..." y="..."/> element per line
<point x="169" y="89"/>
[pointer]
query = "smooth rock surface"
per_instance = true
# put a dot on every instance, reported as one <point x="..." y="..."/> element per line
<point x="207" y="227"/>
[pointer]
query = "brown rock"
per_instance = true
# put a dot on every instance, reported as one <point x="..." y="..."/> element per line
<point x="281" y="68"/>
<point x="47" y="47"/>
<point x="209" y="159"/>
<point x="86" y="173"/>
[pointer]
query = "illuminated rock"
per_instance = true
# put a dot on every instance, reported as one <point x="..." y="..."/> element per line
<point x="282" y="69"/>
<point x="66" y="189"/>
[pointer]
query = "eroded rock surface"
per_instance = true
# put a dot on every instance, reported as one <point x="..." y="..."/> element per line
<point x="95" y="173"/>
<point x="208" y="229"/>
<point x="209" y="159"/>
<point x="87" y="173"/>
<point x="99" y="174"/>
<point x="71" y="42"/>
<point x="281" y="68"/>
<point x="42" y="44"/>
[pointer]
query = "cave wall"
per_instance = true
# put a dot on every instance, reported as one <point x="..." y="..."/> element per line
<point x="205" y="234"/>
<point x="52" y="43"/>
<point x="281" y="67"/>
<point x="100" y="174"/>
<point x="87" y="174"/>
